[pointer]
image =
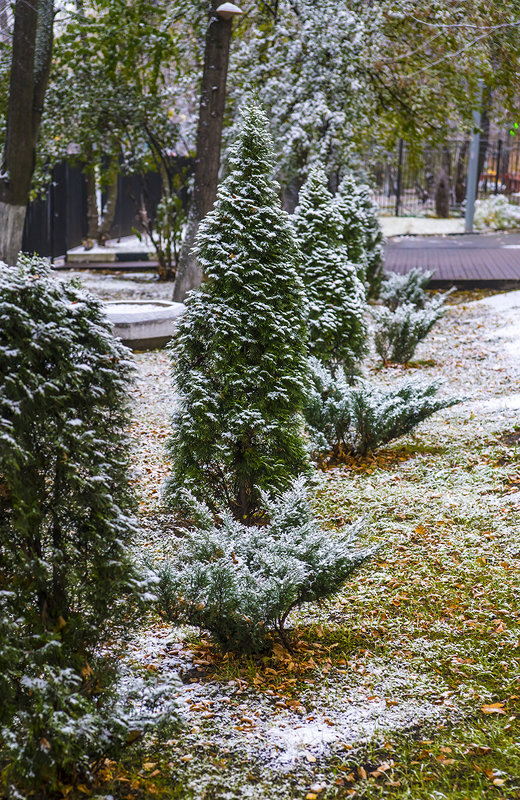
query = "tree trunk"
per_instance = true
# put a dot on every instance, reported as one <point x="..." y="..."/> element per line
<point x="442" y="195"/>
<point x="460" y="174"/>
<point x="290" y="194"/>
<point x="30" y="65"/>
<point x="109" y="210"/>
<point x="209" y="136"/>
<point x="12" y="219"/>
<point x="92" y="205"/>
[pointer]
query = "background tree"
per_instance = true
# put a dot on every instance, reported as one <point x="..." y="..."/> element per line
<point x="109" y="103"/>
<point x="305" y="65"/>
<point x="29" y="71"/>
<point x="239" y="357"/>
<point x="339" y="78"/>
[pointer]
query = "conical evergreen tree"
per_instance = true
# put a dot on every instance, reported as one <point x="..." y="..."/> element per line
<point x="239" y="356"/>
<point x="336" y="295"/>
<point x="66" y="528"/>
<point x="361" y="231"/>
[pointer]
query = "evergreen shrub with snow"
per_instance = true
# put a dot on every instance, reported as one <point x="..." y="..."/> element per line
<point x="239" y="583"/>
<point x="335" y="292"/>
<point x="496" y="213"/>
<point x="65" y="527"/>
<point x="354" y="419"/>
<point x="239" y="356"/>
<point x="396" y="290"/>
<point x="397" y="333"/>
<point x="361" y="231"/>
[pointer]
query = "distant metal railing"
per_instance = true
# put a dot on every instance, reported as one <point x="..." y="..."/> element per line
<point x="406" y="185"/>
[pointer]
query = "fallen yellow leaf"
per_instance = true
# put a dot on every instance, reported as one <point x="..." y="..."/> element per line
<point x="493" y="708"/>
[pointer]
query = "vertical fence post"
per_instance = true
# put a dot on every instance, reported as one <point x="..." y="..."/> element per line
<point x="471" y="188"/>
<point x="399" y="178"/>
<point x="499" y="154"/>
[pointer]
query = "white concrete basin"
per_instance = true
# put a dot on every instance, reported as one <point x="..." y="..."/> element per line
<point x="144" y="324"/>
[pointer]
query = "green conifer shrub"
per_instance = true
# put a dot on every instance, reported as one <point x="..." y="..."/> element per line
<point x="354" y="419"/>
<point x="240" y="583"/>
<point x="65" y="526"/>
<point x="396" y="290"/>
<point x="361" y="231"/>
<point x="397" y="333"/>
<point x="335" y="293"/>
<point x="239" y="355"/>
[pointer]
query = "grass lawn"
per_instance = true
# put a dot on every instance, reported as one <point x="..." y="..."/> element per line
<point x="407" y="685"/>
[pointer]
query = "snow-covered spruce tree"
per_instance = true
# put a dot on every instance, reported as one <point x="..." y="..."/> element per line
<point x="239" y="356"/>
<point x="240" y="583"/>
<point x="65" y="526"/>
<point x="354" y="419"/>
<point x="361" y="231"/>
<point x="335" y="294"/>
<point x="397" y="333"/>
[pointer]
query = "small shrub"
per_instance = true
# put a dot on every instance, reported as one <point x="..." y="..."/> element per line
<point x="397" y="333"/>
<point x="65" y="528"/>
<point x="240" y="583"/>
<point x="396" y="290"/>
<point x="344" y="419"/>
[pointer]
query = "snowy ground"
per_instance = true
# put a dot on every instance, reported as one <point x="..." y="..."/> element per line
<point x="385" y="659"/>
<point x="421" y="226"/>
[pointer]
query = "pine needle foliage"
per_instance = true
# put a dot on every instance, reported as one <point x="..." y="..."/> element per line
<point x="239" y="356"/>
<point x="396" y="290"/>
<point x="397" y="333"/>
<point x="354" y="419"/>
<point x="335" y="293"/>
<point x="65" y="526"/>
<point x="361" y="231"/>
<point x="240" y="583"/>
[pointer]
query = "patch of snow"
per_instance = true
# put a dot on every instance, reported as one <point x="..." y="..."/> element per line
<point x="506" y="301"/>
<point x="293" y="742"/>
<point x="141" y="311"/>
<point x="506" y="403"/>
<point x="127" y="244"/>
<point x="420" y="226"/>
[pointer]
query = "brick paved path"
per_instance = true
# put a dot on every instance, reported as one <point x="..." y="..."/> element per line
<point x="473" y="260"/>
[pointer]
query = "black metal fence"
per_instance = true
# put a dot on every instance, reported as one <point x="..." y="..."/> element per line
<point x="58" y="221"/>
<point x="408" y="185"/>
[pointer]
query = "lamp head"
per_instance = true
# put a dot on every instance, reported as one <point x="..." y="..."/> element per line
<point x="228" y="10"/>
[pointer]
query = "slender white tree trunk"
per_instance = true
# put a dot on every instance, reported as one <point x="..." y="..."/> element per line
<point x="12" y="220"/>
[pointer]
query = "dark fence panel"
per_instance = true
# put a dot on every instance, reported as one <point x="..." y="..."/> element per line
<point x="57" y="222"/>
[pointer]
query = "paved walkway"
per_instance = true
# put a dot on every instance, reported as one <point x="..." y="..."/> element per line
<point x="470" y="261"/>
